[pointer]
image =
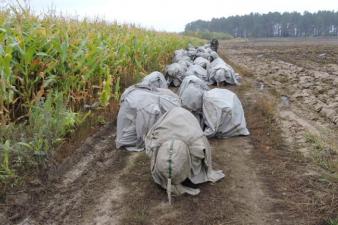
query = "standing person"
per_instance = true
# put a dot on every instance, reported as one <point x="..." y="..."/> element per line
<point x="214" y="45"/>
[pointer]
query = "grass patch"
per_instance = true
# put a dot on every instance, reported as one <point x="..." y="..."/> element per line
<point x="26" y="146"/>
<point x="323" y="152"/>
<point x="332" y="221"/>
<point x="264" y="123"/>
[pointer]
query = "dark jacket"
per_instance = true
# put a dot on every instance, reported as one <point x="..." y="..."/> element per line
<point x="214" y="44"/>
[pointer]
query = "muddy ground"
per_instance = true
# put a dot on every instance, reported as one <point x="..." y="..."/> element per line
<point x="283" y="173"/>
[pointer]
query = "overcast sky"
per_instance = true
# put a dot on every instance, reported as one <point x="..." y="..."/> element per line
<point x="172" y="15"/>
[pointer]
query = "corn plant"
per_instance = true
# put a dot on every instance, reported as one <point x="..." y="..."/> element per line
<point x="51" y="66"/>
<point x="5" y="169"/>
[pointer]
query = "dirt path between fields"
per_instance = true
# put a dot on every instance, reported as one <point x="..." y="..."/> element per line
<point x="268" y="181"/>
<point x="107" y="186"/>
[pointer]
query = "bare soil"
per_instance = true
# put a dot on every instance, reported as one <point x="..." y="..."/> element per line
<point x="271" y="177"/>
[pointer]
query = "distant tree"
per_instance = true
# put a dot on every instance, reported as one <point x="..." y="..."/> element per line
<point x="272" y="24"/>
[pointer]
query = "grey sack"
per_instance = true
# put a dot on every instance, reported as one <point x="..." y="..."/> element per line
<point x="175" y="73"/>
<point x="140" y="107"/>
<point x="178" y="150"/>
<point x="191" y="95"/>
<point x="223" y="114"/>
<point x="219" y="72"/>
<point x="198" y="71"/>
<point x="155" y="79"/>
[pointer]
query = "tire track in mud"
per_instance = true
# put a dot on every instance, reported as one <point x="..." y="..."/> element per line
<point x="88" y="192"/>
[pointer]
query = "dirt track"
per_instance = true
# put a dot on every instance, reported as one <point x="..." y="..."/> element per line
<point x="270" y="177"/>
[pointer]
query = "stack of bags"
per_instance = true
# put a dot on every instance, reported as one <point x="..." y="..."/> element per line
<point x="202" y="62"/>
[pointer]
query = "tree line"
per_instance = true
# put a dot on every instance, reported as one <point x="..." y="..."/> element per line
<point x="273" y="24"/>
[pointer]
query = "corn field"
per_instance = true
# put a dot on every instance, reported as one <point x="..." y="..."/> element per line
<point x="51" y="66"/>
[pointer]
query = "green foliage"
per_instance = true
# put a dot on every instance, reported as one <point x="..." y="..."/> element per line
<point x="332" y="222"/>
<point x="51" y="67"/>
<point x="117" y="89"/>
<point x="25" y="145"/>
<point x="106" y="91"/>
<point x="73" y="57"/>
<point x="323" y="152"/>
<point x="5" y="169"/>
<point x="49" y="121"/>
<point x="210" y="35"/>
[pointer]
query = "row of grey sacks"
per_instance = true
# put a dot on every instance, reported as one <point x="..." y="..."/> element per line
<point x="219" y="111"/>
<point x="201" y="62"/>
<point x="150" y="113"/>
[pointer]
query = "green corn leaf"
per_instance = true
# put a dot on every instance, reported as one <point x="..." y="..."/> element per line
<point x="43" y="54"/>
